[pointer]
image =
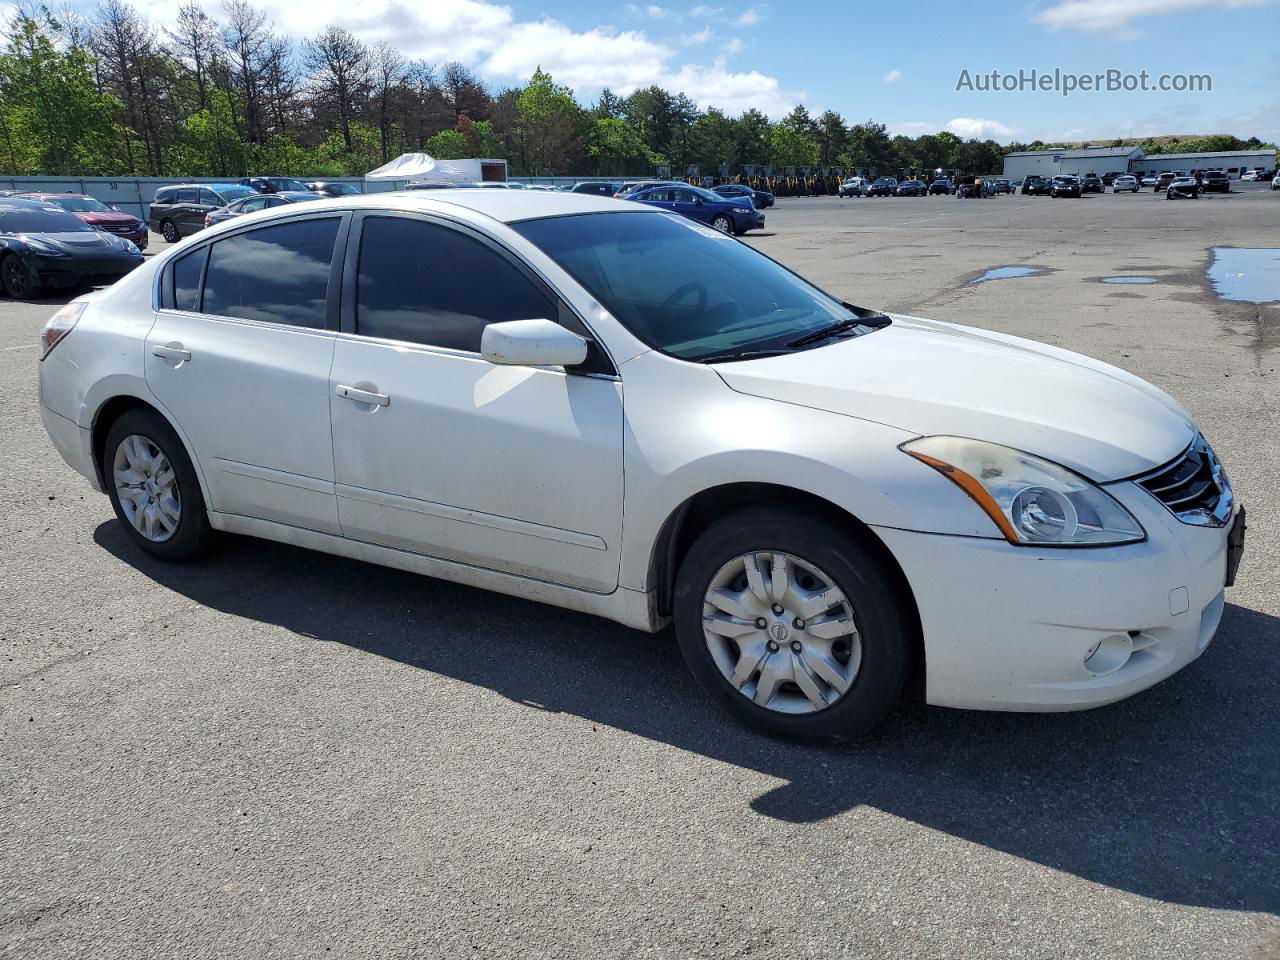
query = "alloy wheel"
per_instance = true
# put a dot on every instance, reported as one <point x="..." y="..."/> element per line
<point x="723" y="224"/>
<point x="17" y="281"/>
<point x="781" y="632"/>
<point x="169" y="232"/>
<point x="147" y="488"/>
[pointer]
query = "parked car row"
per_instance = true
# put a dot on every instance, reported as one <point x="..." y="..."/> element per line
<point x="45" y="247"/>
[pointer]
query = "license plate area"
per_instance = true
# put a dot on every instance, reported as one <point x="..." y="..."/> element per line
<point x="1235" y="546"/>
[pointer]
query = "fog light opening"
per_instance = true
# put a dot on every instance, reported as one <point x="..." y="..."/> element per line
<point x="1109" y="655"/>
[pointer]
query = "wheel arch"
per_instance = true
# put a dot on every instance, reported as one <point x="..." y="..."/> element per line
<point x="697" y="512"/>
<point x="116" y="406"/>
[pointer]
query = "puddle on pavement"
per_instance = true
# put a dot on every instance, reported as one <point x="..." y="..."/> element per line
<point x="1129" y="280"/>
<point x="1250" y="274"/>
<point x="1004" y="273"/>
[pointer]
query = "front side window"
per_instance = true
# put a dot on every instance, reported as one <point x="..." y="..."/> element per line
<point x="682" y="287"/>
<point x="277" y="273"/>
<point x="425" y="283"/>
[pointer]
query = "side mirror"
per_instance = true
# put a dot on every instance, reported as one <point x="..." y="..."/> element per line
<point x="532" y="343"/>
<point x="114" y="207"/>
<point x="697" y="201"/>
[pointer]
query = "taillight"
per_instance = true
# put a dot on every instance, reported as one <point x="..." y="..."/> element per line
<point x="59" y="325"/>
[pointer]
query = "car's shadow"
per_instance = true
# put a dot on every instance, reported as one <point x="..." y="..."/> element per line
<point x="1173" y="794"/>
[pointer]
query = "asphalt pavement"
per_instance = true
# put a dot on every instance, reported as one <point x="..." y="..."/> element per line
<point x="275" y="753"/>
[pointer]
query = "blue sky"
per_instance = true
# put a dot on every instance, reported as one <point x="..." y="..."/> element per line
<point x="899" y="66"/>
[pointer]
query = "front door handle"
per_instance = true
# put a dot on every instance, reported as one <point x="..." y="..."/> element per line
<point x="363" y="396"/>
<point x="171" y="351"/>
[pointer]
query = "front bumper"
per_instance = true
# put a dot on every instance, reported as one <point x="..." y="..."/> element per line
<point x="62" y="273"/>
<point x="1014" y="628"/>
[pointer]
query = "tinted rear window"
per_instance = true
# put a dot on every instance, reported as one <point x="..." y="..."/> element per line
<point x="278" y="273"/>
<point x="186" y="279"/>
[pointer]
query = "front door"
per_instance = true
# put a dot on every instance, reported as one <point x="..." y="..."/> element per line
<point x="240" y="356"/>
<point x="516" y="469"/>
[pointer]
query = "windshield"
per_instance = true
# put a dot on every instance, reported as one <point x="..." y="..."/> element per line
<point x="682" y="287"/>
<point x="284" y="183"/>
<point x="80" y="204"/>
<point x="341" y="189"/>
<point x="33" y="219"/>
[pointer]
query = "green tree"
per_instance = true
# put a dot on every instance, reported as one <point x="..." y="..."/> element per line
<point x="789" y="148"/>
<point x="448" y="145"/>
<point x="55" y="121"/>
<point x="713" y="141"/>
<point x="617" y="149"/>
<point x="553" y="125"/>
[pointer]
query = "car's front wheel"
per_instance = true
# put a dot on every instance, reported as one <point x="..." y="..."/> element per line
<point x="792" y="627"/>
<point x="20" y="281"/>
<point x="153" y="487"/>
<point x="722" y="223"/>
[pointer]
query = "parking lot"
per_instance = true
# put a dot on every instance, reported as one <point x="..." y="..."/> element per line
<point x="278" y="753"/>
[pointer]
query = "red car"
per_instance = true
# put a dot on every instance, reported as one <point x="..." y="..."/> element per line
<point x="97" y="214"/>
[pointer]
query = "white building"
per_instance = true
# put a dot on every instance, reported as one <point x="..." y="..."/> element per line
<point x="1104" y="160"/>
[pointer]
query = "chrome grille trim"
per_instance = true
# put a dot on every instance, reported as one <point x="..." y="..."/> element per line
<point x="1193" y="486"/>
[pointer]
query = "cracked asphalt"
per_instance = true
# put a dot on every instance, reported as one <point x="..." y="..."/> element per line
<point x="274" y="753"/>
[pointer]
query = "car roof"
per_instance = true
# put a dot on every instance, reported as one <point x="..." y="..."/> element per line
<point x="504" y="206"/>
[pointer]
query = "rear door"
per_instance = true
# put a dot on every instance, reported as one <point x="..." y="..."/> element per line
<point x="240" y="355"/>
<point x="437" y="451"/>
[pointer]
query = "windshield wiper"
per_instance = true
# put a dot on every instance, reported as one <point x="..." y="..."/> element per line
<point x="730" y="355"/>
<point x="873" y="321"/>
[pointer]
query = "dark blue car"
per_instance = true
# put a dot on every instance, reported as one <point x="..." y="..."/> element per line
<point x="759" y="198"/>
<point x="728" y="215"/>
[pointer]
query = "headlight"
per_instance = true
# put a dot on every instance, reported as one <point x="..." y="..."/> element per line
<point x="44" y="247"/>
<point x="1033" y="502"/>
<point x="741" y="210"/>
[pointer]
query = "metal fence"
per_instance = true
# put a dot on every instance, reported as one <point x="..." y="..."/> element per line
<point x="134" y="194"/>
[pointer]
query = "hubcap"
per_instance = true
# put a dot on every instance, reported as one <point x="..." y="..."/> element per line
<point x="781" y="632"/>
<point x="147" y="488"/>
<point x="722" y="224"/>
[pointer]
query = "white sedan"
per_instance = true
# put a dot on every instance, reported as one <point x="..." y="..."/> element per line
<point x="617" y="410"/>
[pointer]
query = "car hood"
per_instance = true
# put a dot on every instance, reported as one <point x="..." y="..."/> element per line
<point x="102" y="219"/>
<point x="79" y="241"/>
<point x="932" y="378"/>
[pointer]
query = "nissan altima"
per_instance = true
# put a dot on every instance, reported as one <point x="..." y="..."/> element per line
<point x="614" y="409"/>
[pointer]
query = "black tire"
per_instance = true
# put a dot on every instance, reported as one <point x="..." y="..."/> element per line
<point x="857" y="570"/>
<point x="19" y="281"/>
<point x="169" y="230"/>
<point x="193" y="537"/>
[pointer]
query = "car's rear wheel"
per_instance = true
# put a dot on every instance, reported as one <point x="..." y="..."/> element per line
<point x="793" y="628"/>
<point x="153" y="487"/>
<point x="169" y="230"/>
<point x="20" y="282"/>
<point x="722" y="223"/>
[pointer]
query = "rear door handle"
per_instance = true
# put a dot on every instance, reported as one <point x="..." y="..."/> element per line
<point x="363" y="396"/>
<point x="171" y="351"/>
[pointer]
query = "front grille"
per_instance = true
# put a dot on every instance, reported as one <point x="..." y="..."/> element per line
<point x="119" y="228"/>
<point x="1193" y="486"/>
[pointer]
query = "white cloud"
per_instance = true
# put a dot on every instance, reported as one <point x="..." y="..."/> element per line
<point x="704" y="11"/>
<point x="913" y="128"/>
<point x="979" y="129"/>
<point x="967" y="128"/>
<point x="502" y="49"/>
<point x="694" y="39"/>
<point x="658" y="13"/>
<point x="750" y="17"/>
<point x="893" y="76"/>
<point x="1116" y="14"/>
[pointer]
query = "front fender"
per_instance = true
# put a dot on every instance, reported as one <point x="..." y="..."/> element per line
<point x="687" y="433"/>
